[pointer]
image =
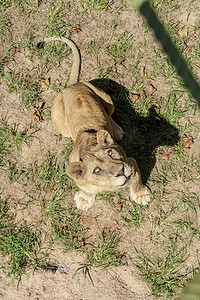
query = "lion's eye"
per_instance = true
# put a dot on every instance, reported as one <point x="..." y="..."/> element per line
<point x="110" y="153"/>
<point x="97" y="170"/>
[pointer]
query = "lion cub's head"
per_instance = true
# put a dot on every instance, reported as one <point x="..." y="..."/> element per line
<point x="103" y="166"/>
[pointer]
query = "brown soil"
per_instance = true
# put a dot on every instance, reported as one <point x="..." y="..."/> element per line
<point x="120" y="283"/>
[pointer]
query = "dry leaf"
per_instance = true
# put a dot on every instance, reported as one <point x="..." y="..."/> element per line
<point x="108" y="8"/>
<point x="180" y="25"/>
<point x="36" y="114"/>
<point x="119" y="205"/>
<point x="40" y="105"/>
<point x="189" y="44"/>
<point x="142" y="95"/>
<point x="188" y="49"/>
<point x="75" y="29"/>
<point x="168" y="154"/>
<point x="191" y="40"/>
<point x="35" y="117"/>
<point x="133" y="96"/>
<point x="189" y="142"/>
<point x="45" y="84"/>
<point x="184" y="136"/>
<point x="150" y="89"/>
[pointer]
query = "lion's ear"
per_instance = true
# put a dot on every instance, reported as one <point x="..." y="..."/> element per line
<point x="76" y="170"/>
<point x="104" y="138"/>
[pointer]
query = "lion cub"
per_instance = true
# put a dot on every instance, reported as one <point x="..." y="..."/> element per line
<point x="97" y="163"/>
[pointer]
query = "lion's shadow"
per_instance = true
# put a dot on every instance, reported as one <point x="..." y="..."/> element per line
<point x="142" y="134"/>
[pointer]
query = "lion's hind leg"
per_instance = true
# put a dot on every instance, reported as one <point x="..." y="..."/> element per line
<point x="58" y="116"/>
<point x="109" y="107"/>
<point x="105" y="98"/>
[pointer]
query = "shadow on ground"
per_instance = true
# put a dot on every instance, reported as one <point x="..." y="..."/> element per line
<point x="143" y="134"/>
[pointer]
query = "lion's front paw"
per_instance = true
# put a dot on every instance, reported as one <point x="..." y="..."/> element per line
<point x="84" y="201"/>
<point x="141" y="197"/>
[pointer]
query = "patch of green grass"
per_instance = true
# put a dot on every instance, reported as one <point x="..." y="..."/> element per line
<point x="19" y="243"/>
<point x="164" y="273"/>
<point x="5" y="23"/>
<point x="46" y="176"/>
<point x="94" y="46"/>
<point x="187" y="218"/>
<point x="11" y="139"/>
<point x="65" y="223"/>
<point x="102" y="72"/>
<point x="24" y="7"/>
<point x="105" y="253"/>
<point x="180" y="170"/>
<point x="194" y="231"/>
<point x="95" y="4"/>
<point x="111" y="24"/>
<point x="190" y="201"/>
<point x="135" y="215"/>
<point x="109" y="195"/>
<point x="84" y="270"/>
<point x="120" y="49"/>
<point x="165" y="6"/>
<point x="57" y="21"/>
<point x="161" y="216"/>
<point x="22" y="81"/>
<point x="170" y="109"/>
<point x="54" y="52"/>
<point x="53" y="55"/>
<point x="67" y="149"/>
<point x="5" y="3"/>
<point x="159" y="179"/>
<point x="5" y="57"/>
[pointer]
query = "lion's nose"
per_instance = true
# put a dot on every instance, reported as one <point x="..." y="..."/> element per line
<point x="121" y="172"/>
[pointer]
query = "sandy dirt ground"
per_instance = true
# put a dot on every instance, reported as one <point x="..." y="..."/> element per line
<point x="117" y="283"/>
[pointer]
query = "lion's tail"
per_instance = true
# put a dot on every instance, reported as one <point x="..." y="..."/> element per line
<point x="76" y="59"/>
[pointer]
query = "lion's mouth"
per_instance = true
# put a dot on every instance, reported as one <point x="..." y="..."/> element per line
<point x="127" y="179"/>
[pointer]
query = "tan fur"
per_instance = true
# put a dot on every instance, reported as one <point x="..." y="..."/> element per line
<point x="97" y="163"/>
